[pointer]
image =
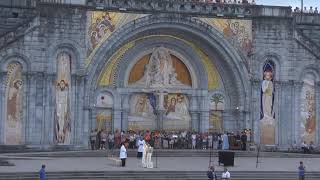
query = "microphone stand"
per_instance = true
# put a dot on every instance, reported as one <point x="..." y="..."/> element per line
<point x="258" y="154"/>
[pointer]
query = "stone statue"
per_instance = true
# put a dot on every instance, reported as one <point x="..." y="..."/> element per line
<point x="267" y="122"/>
<point x="267" y="96"/>
<point x="14" y="97"/>
<point x="159" y="72"/>
<point x="62" y="116"/>
<point x="13" y="123"/>
<point x="62" y="110"/>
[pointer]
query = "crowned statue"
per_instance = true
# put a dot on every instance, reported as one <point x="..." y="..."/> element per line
<point x="267" y="122"/>
<point x="159" y="72"/>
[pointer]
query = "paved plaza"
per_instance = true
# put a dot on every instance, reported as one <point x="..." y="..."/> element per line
<point x="32" y="164"/>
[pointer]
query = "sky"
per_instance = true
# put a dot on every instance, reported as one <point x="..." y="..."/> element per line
<point x="292" y="3"/>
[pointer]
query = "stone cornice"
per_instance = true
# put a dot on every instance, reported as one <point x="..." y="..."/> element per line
<point x="178" y="7"/>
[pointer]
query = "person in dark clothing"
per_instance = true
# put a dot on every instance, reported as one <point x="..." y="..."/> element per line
<point x="93" y="138"/>
<point x="302" y="170"/>
<point x="211" y="174"/>
<point x="98" y="141"/>
<point x="42" y="173"/>
<point x="244" y="141"/>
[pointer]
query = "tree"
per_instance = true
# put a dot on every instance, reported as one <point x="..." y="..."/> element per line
<point x="217" y="98"/>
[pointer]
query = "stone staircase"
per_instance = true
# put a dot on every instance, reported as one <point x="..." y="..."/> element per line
<point x="15" y="23"/>
<point x="159" y="153"/>
<point x="310" y="44"/>
<point x="159" y="175"/>
<point x="20" y="31"/>
<point x="11" y="18"/>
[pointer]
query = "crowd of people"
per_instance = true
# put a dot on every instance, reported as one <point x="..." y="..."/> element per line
<point x="168" y="140"/>
<point x="308" y="148"/>
<point x="305" y="10"/>
<point x="224" y="1"/>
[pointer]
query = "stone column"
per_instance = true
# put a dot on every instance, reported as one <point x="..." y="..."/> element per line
<point x="117" y="124"/>
<point x="297" y="87"/>
<point x="82" y="126"/>
<point x="3" y="78"/>
<point x="160" y="118"/>
<point x="93" y="117"/>
<point x="283" y="106"/>
<point x="30" y="111"/>
<point x="73" y="109"/>
<point x="193" y="109"/>
<point x="204" y="111"/>
<point x="39" y="109"/>
<point x="87" y="112"/>
<point x="86" y="125"/>
<point x="78" y="112"/>
<point x="277" y="109"/>
<point x="117" y="112"/>
<point x="255" y="109"/>
<point x="125" y="111"/>
<point x="47" y="125"/>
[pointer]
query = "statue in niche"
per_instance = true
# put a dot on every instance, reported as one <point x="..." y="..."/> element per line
<point x="14" y="103"/>
<point x="159" y="72"/>
<point x="267" y="96"/>
<point x="13" y="129"/>
<point x="308" y="122"/>
<point x="62" y="116"/>
<point x="267" y="122"/>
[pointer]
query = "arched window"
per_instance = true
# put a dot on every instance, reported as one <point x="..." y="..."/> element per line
<point x="269" y="66"/>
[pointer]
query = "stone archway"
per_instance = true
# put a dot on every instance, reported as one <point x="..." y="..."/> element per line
<point x="204" y="38"/>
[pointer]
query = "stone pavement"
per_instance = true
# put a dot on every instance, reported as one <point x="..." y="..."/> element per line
<point x="32" y="164"/>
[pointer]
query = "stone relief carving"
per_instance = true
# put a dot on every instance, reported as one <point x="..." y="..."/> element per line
<point x="159" y="72"/>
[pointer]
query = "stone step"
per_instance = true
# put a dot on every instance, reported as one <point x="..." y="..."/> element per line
<point x="162" y="153"/>
<point x="251" y="175"/>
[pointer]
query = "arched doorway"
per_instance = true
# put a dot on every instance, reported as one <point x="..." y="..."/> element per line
<point x="211" y="62"/>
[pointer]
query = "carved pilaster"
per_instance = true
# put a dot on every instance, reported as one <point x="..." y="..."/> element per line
<point x="2" y="105"/>
<point x="297" y="86"/>
<point x="317" y="95"/>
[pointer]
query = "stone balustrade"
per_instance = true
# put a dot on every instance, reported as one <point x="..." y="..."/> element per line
<point x="306" y="18"/>
<point x="192" y="8"/>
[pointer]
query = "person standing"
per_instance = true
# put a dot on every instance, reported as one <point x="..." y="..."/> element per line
<point x="42" y="173"/>
<point x="123" y="155"/>
<point x="302" y="170"/>
<point x="220" y="141"/>
<point x="193" y="139"/>
<point x="111" y="140"/>
<point x="243" y="141"/>
<point x="103" y="139"/>
<point x="305" y="148"/>
<point x="93" y="138"/>
<point x="212" y="174"/>
<point x="225" y="174"/>
<point x="141" y="143"/>
<point x="225" y="143"/>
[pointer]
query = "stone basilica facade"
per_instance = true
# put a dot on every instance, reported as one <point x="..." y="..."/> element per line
<point x="68" y="70"/>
